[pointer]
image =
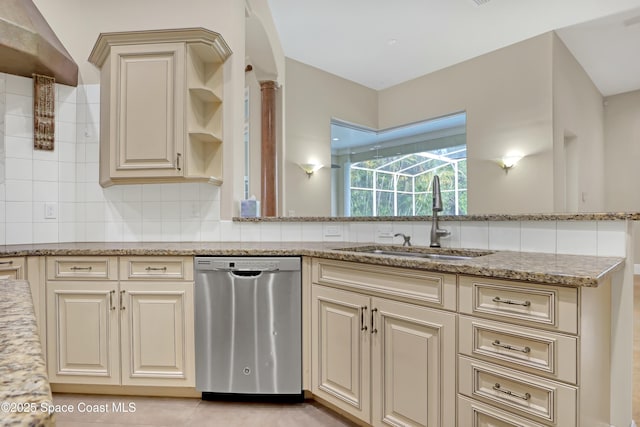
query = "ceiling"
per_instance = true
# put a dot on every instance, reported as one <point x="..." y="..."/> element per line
<point x="381" y="43"/>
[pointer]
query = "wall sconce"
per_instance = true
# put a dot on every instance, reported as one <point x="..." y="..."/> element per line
<point x="509" y="161"/>
<point x="310" y="168"/>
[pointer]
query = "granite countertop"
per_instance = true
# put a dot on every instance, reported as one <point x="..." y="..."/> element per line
<point x="561" y="216"/>
<point x="25" y="395"/>
<point x="556" y="269"/>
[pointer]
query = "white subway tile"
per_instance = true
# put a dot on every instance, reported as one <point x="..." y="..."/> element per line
<point x="152" y="211"/>
<point x="93" y="93"/>
<point x="577" y="237"/>
<point x="113" y="193"/>
<point x="312" y="232"/>
<point x="18" y="126"/>
<point x="291" y="232"/>
<point x="67" y="232"/>
<point x="270" y="232"/>
<point x="209" y="192"/>
<point x="132" y="211"/>
<point x="95" y="212"/>
<point x="504" y="235"/>
<point x="67" y="172"/>
<point x="335" y="232"/>
<point x="65" y="131"/>
<point x="81" y="118"/>
<point x="190" y="210"/>
<point x="250" y="231"/>
<point x="67" y="212"/>
<point x="45" y="191"/>
<point x="18" y="212"/>
<point x="170" y="192"/>
<point x="210" y="231"/>
<point x="474" y="234"/>
<point x="81" y="232"/>
<point x="66" y="112"/>
<point x="450" y="241"/>
<point x="81" y="153"/>
<point x="113" y="211"/>
<point x="92" y="152"/>
<point x="66" y="192"/>
<point x="612" y="237"/>
<point x="93" y="112"/>
<point x="45" y="232"/>
<point x="3" y="237"/>
<point x="151" y="192"/>
<point x="190" y="231"/>
<point x="66" y="151"/>
<point x="45" y="170"/>
<point x="18" y="148"/>
<point x="132" y="231"/>
<point x="114" y="231"/>
<point x="151" y="231"/>
<point x="189" y="191"/>
<point x="19" y="85"/>
<point x="229" y="231"/>
<point x="92" y="192"/>
<point x="132" y="193"/>
<point x="170" y="211"/>
<point x="362" y="231"/>
<point x="210" y="210"/>
<point x="171" y="231"/>
<point x="66" y="93"/>
<point x="94" y="231"/>
<point x="91" y="134"/>
<point x="19" y="233"/>
<point x="19" y="105"/>
<point x="92" y="172"/>
<point x="19" y="191"/>
<point x="46" y="155"/>
<point x="538" y="236"/>
<point x="20" y="169"/>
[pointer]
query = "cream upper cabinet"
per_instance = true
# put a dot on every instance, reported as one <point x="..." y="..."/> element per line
<point x="384" y="361"/>
<point x="160" y="105"/>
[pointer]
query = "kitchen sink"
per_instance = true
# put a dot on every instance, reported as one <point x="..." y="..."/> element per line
<point x="425" y="253"/>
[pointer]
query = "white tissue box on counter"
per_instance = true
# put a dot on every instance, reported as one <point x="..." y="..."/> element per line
<point x="249" y="208"/>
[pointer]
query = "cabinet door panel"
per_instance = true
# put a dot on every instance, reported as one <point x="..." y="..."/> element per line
<point x="83" y="333"/>
<point x="157" y="334"/>
<point x="413" y="355"/>
<point x="341" y="349"/>
<point x="149" y="126"/>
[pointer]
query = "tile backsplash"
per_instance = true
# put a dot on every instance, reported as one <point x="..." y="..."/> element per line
<point x="54" y="196"/>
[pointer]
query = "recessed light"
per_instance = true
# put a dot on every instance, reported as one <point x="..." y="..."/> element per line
<point x="391" y="42"/>
<point x="335" y="139"/>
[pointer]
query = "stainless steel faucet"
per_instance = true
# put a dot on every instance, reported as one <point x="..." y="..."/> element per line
<point x="436" y="232"/>
<point x="407" y="239"/>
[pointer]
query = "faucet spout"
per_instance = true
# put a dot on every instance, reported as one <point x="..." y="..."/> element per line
<point x="436" y="231"/>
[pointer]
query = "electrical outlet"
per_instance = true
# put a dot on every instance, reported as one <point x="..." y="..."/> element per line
<point x="385" y="231"/>
<point x="332" y="230"/>
<point x="50" y="210"/>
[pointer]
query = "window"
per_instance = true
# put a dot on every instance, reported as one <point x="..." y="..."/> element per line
<point x="401" y="185"/>
<point x="390" y="172"/>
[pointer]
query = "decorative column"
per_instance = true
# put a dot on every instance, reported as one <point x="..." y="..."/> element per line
<point x="268" y="176"/>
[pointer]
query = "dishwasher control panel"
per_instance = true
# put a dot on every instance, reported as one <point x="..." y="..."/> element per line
<point x="247" y="264"/>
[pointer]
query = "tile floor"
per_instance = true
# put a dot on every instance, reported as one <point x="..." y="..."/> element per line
<point x="174" y="412"/>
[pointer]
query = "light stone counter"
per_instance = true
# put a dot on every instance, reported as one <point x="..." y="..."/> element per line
<point x="565" y="270"/>
<point x="25" y="395"/>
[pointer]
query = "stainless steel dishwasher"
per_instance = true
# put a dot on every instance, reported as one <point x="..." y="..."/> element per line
<point x="248" y="327"/>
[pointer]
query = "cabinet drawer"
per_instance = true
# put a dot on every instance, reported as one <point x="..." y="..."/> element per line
<point x="536" y="305"/>
<point x="82" y="268"/>
<point x="543" y="353"/>
<point x="527" y="395"/>
<point x="415" y="286"/>
<point x="477" y="414"/>
<point x="156" y="268"/>
<point x="12" y="268"/>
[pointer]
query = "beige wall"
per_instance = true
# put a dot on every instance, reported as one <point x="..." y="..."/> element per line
<point x="578" y="117"/>
<point x="312" y="98"/>
<point x="507" y="97"/>
<point x="78" y="32"/>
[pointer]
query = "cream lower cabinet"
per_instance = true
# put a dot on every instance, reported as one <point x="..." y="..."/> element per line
<point x="117" y="332"/>
<point x="385" y="362"/>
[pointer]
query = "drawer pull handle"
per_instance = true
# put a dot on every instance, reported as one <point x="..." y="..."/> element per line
<point x="156" y="268"/>
<point x="512" y="302"/>
<point x="373" y="327"/>
<point x="75" y="268"/>
<point x="497" y="343"/>
<point x="121" y="303"/>
<point x="499" y="389"/>
<point x="363" y="327"/>
<point x="113" y="307"/>
<point x="6" y="262"/>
